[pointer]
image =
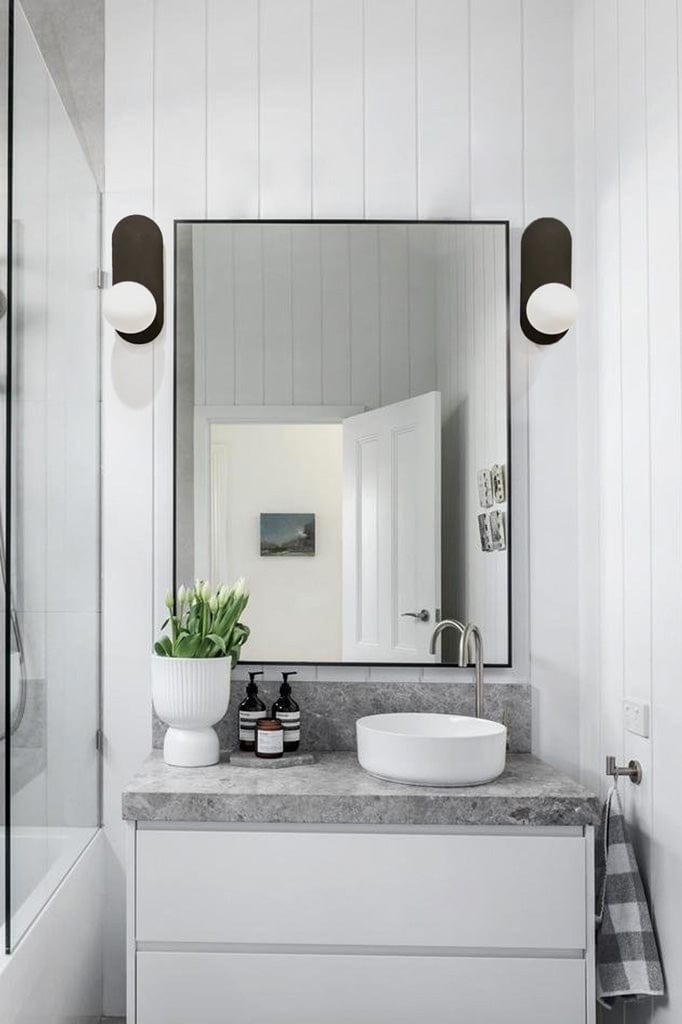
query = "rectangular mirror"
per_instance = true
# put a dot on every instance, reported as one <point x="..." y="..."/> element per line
<point x="342" y="432"/>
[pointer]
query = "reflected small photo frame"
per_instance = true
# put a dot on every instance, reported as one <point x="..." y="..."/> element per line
<point x="287" y="534"/>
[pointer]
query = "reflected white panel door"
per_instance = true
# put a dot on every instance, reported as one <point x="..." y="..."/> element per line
<point x="391" y="530"/>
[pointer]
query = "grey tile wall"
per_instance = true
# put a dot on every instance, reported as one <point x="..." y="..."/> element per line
<point x="330" y="706"/>
<point x="28" y="743"/>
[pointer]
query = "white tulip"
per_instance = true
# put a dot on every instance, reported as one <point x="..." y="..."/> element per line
<point x="182" y="594"/>
<point x="170" y="600"/>
<point x="213" y="604"/>
<point x="206" y="590"/>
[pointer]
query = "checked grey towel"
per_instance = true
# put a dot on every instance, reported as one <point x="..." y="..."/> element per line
<point x="628" y="963"/>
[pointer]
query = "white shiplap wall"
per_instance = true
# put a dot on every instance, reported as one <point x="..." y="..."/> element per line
<point x="628" y="177"/>
<point x="333" y="108"/>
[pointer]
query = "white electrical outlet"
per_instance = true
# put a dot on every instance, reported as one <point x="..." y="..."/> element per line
<point x="636" y="716"/>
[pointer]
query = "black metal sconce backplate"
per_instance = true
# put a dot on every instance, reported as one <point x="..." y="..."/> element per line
<point x="137" y="255"/>
<point x="546" y="247"/>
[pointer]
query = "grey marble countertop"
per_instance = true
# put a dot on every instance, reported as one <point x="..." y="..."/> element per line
<point x="335" y="790"/>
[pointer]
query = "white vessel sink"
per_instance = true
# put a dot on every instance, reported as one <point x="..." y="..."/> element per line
<point x="431" y="750"/>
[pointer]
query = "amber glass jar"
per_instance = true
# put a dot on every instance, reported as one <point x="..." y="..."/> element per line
<point x="269" y="738"/>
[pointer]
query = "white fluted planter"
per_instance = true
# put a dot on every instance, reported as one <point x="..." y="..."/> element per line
<point x="190" y="695"/>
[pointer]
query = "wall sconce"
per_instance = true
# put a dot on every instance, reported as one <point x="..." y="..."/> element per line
<point x="134" y="304"/>
<point x="549" y="306"/>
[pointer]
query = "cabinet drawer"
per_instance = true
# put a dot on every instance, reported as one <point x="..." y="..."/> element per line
<point x="212" y="988"/>
<point x="523" y="892"/>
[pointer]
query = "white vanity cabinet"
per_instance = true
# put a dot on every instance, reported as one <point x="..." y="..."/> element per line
<point x="307" y="924"/>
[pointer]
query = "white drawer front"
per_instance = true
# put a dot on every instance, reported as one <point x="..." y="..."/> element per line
<point x="525" y="892"/>
<point x="250" y="988"/>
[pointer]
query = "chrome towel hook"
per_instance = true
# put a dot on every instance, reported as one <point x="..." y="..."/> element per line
<point x="633" y="770"/>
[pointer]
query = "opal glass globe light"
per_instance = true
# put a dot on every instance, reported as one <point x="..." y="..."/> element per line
<point x="552" y="308"/>
<point x="129" y="307"/>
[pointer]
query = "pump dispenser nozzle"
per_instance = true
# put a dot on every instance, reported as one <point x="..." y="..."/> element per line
<point x="285" y="688"/>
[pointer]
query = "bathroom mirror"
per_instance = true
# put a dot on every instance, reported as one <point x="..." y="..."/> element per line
<point x="342" y="432"/>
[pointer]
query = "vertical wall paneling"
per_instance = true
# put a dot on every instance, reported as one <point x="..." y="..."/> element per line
<point x="421" y="304"/>
<point x="248" y="317"/>
<point x="128" y="458"/>
<point x="335" y="316"/>
<point x="664" y="105"/>
<point x="609" y="369"/>
<point x="634" y="342"/>
<point x="179" y="130"/>
<point x="443" y="97"/>
<point x="285" y="112"/>
<point x="390" y="109"/>
<point x="127" y="564"/>
<point x="306" y="316"/>
<point x="633" y="200"/>
<point x="200" y="314"/>
<point x="394" y="313"/>
<point x="365" y="318"/>
<point x="587" y="367"/>
<point x="127" y="568"/>
<point x="218" y="319"/>
<point x="232" y="146"/>
<point x="548" y="191"/>
<point x="547" y="110"/>
<point x="277" y="315"/>
<point x="129" y="141"/>
<point x="179" y="110"/>
<point x="337" y="109"/>
<point x="496" y="86"/>
<point x="496" y="179"/>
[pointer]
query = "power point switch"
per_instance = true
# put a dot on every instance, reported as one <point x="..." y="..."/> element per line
<point x="636" y="716"/>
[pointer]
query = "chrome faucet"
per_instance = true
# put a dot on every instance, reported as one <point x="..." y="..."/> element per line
<point x="472" y="630"/>
<point x="440" y="627"/>
<point x="467" y="633"/>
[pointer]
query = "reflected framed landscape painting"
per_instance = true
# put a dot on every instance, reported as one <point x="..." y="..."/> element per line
<point x="287" y="534"/>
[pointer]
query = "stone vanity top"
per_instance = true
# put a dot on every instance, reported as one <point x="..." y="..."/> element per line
<point x="336" y="790"/>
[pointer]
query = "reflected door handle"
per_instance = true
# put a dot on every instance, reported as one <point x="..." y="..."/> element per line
<point x="423" y="615"/>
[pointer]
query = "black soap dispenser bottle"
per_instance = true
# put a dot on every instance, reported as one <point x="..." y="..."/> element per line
<point x="286" y="710"/>
<point x="250" y="710"/>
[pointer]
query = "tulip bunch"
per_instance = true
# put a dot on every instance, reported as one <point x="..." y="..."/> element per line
<point x="204" y="623"/>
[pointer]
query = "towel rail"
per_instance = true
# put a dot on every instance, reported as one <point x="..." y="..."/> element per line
<point x="632" y="769"/>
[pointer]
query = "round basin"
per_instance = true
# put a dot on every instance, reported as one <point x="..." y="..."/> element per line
<point x="430" y="749"/>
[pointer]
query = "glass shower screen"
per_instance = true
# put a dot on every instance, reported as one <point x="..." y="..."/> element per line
<point x="50" y="552"/>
